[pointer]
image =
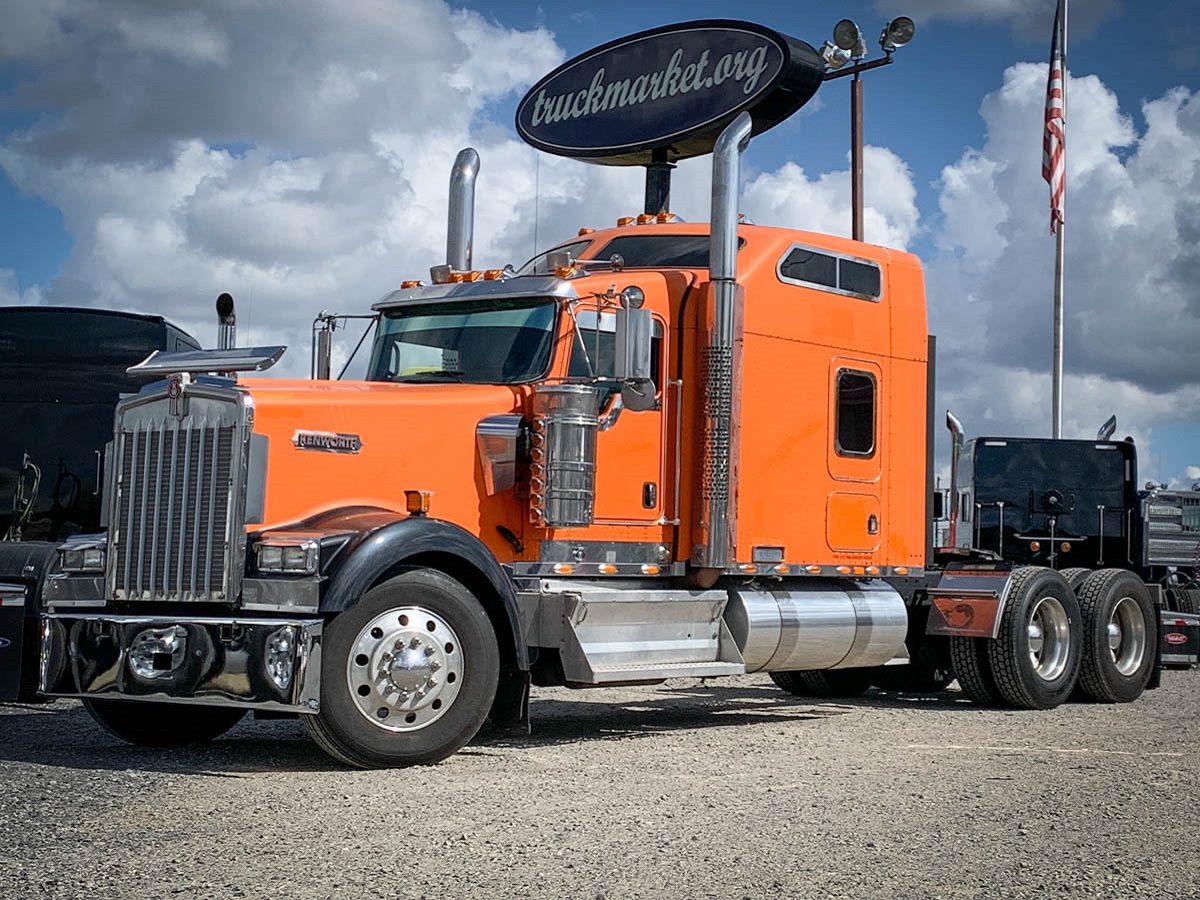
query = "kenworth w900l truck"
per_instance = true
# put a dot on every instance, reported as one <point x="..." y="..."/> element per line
<point x="657" y="450"/>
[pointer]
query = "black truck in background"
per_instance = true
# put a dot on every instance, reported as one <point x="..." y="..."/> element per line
<point x="62" y="370"/>
<point x="1076" y="506"/>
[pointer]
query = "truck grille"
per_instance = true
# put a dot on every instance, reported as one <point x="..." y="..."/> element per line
<point x="176" y="530"/>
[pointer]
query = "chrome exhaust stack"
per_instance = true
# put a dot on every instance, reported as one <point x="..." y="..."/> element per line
<point x="1107" y="429"/>
<point x="226" y="323"/>
<point x="461" y="220"/>
<point x="956" y="445"/>
<point x="721" y="363"/>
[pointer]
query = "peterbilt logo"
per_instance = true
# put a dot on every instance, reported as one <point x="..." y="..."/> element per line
<point x="327" y="441"/>
<point x="1175" y="637"/>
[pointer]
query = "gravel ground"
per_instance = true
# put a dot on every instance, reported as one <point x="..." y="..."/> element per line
<point x="725" y="789"/>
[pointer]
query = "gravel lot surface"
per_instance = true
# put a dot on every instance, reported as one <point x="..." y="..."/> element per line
<point x="729" y="788"/>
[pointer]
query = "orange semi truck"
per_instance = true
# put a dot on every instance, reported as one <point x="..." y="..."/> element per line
<point x="659" y="450"/>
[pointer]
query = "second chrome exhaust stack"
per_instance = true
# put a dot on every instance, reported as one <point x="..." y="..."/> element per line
<point x="714" y="543"/>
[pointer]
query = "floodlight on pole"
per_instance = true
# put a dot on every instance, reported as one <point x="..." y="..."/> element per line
<point x="848" y="44"/>
<point x="849" y="38"/>
<point x="897" y="33"/>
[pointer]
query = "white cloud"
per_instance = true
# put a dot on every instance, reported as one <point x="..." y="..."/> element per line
<point x="296" y="155"/>
<point x="1132" y="313"/>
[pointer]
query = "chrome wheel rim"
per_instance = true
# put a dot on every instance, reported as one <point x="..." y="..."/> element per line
<point x="1049" y="638"/>
<point x="405" y="669"/>
<point x="1127" y="636"/>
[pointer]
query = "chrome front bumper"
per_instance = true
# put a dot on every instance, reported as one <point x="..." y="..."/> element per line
<point x="253" y="663"/>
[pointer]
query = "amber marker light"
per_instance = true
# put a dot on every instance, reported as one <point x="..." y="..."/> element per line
<point x="813" y="570"/>
<point x="783" y="569"/>
<point x="646" y="219"/>
<point x="417" y="502"/>
<point x="1066" y="547"/>
<point x="901" y="570"/>
<point x="563" y="569"/>
<point x="607" y="569"/>
<point x="1035" y="546"/>
<point x="650" y="569"/>
<point x="493" y="274"/>
<point x="405" y="285"/>
<point x="843" y="570"/>
<point x="584" y="231"/>
<point x="624" y="221"/>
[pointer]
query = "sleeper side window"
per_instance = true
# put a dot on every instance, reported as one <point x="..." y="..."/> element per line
<point x="855" y="416"/>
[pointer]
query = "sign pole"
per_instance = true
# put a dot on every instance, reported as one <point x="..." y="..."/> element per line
<point x="658" y="182"/>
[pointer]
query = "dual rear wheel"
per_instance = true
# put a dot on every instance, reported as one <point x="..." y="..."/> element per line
<point x="1059" y="631"/>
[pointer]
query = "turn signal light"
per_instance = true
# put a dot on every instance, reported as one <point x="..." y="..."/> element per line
<point x="417" y="502"/>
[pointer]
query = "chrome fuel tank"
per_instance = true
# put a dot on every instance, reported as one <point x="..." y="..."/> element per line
<point x="828" y="625"/>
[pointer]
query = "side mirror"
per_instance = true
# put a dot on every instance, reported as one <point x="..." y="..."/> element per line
<point x="632" y="364"/>
<point x="939" y="505"/>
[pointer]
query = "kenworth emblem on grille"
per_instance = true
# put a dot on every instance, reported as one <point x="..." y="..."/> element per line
<point x="176" y="403"/>
<point x="327" y="441"/>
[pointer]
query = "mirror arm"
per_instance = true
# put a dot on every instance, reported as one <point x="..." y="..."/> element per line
<point x="611" y="412"/>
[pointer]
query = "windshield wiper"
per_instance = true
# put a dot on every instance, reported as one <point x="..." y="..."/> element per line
<point x="433" y="375"/>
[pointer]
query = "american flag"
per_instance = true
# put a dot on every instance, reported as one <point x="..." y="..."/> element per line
<point x="1054" y="141"/>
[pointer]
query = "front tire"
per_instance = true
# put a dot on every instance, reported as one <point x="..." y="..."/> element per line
<point x="1035" y="657"/>
<point x="1118" y="625"/>
<point x="154" y="724"/>
<point x="408" y="675"/>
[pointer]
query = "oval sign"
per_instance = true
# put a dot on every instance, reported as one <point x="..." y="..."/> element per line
<point x="4" y="642"/>
<point x="669" y="90"/>
<point x="1174" y="637"/>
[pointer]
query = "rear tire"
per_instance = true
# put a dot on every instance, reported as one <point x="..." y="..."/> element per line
<point x="154" y="724"/>
<point x="1119" y="626"/>
<point x="408" y="675"/>
<point x="969" y="658"/>
<point x="1035" y="657"/>
<point x="843" y="683"/>
<point x="1075" y="577"/>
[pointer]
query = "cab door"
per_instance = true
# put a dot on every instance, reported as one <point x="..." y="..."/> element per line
<point x="630" y="443"/>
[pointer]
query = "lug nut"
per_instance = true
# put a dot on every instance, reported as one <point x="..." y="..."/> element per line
<point x="429" y="651"/>
<point x="415" y="643"/>
<point x="399" y="645"/>
<point x="434" y="666"/>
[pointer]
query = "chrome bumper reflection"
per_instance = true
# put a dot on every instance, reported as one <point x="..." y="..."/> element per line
<point x="269" y="664"/>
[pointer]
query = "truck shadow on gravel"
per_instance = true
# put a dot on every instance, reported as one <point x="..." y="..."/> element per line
<point x="63" y="735"/>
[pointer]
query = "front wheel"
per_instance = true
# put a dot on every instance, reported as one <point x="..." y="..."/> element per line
<point x="408" y="675"/>
<point x="1119" y="625"/>
<point x="149" y="723"/>
<point x="1035" y="657"/>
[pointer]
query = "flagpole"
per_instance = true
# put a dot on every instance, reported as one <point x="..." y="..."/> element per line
<point x="1056" y="392"/>
<point x="1060" y="240"/>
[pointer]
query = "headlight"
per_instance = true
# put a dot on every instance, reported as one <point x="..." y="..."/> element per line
<point x="81" y="560"/>
<point x="288" y="556"/>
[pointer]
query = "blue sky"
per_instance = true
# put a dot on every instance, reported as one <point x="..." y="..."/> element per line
<point x="296" y="153"/>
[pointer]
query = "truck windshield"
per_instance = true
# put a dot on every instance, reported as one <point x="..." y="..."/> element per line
<point x="476" y="342"/>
